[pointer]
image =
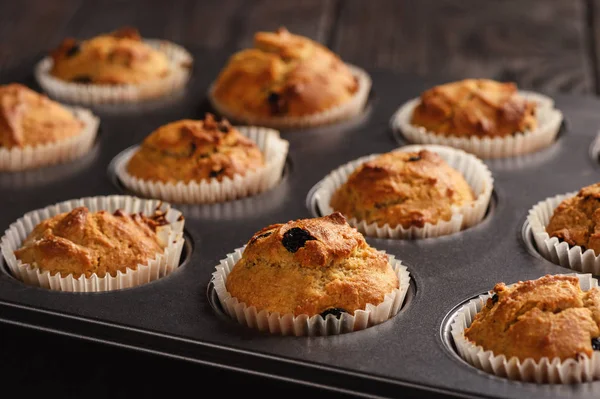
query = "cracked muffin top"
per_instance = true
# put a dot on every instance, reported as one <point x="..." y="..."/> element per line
<point x="284" y="75"/>
<point x="81" y="242"/>
<point x="28" y="118"/>
<point x="576" y="219"/>
<point x="194" y="150"/>
<point x="402" y="188"/>
<point x="548" y="317"/>
<point x="311" y="266"/>
<point x="475" y="107"/>
<point x="114" y="58"/>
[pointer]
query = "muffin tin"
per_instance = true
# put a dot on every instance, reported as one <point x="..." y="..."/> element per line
<point x="179" y="316"/>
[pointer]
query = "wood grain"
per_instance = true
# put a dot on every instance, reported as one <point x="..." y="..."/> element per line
<point x="540" y="44"/>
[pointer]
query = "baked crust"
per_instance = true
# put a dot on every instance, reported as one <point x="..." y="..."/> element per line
<point x="28" y="118"/>
<point x="284" y="75"/>
<point x="195" y="150"/>
<point x="309" y="266"/>
<point x="549" y="317"/>
<point x="475" y="107"/>
<point x="402" y="188"/>
<point x="81" y="242"/>
<point x="114" y="58"/>
<point x="576" y="220"/>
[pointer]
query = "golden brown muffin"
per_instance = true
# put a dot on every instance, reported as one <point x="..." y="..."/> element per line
<point x="115" y="58"/>
<point x="402" y="188"/>
<point x="548" y="317"/>
<point x="311" y="266"/>
<point x="576" y="220"/>
<point x="284" y="75"/>
<point x="194" y="150"/>
<point x="28" y="118"/>
<point x="81" y="242"/>
<point x="475" y="107"/>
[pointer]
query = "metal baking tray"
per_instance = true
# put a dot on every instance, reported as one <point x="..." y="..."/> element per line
<point x="178" y="316"/>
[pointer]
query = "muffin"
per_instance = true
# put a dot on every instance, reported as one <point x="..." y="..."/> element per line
<point x="288" y="80"/>
<point x="114" y="67"/>
<point x="544" y="330"/>
<point x="317" y="269"/>
<point x="53" y="132"/>
<point x="199" y="161"/>
<point x="95" y="244"/>
<point x="487" y="118"/>
<point x="403" y="188"/>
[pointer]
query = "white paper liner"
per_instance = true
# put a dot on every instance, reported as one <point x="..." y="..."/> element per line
<point x="302" y="325"/>
<point x="545" y="370"/>
<point x="475" y="172"/>
<point x="30" y="157"/>
<point x="170" y="237"/>
<point x="90" y="94"/>
<point x="344" y="111"/>
<point x="273" y="147"/>
<point x="549" y="121"/>
<point x="552" y="248"/>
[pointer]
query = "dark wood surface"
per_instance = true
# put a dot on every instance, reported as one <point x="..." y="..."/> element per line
<point x="548" y="45"/>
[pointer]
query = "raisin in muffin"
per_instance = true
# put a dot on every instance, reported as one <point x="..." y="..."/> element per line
<point x="310" y="267"/>
<point x="402" y="188"/>
<point x="195" y="150"/>
<point x="549" y="317"/>
<point x="81" y="242"/>
<point x="284" y="75"/>
<point x="114" y="58"/>
<point x="475" y="107"/>
<point x="28" y="118"/>
<point x="576" y="219"/>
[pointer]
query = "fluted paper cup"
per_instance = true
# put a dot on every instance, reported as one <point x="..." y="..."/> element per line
<point x="60" y="151"/>
<point x="475" y="172"/>
<point x="170" y="237"/>
<point x="553" y="371"/>
<point x="91" y="94"/>
<point x="303" y="325"/>
<point x="553" y="249"/>
<point x="341" y="112"/>
<point x="549" y="122"/>
<point x="273" y="147"/>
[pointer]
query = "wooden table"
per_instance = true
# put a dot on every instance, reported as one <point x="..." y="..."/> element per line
<point x="548" y="45"/>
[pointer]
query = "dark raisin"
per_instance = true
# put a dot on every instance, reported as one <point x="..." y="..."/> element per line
<point x="192" y="149"/>
<point x="73" y="51"/>
<point x="268" y="233"/>
<point x="204" y="155"/>
<point x="82" y="79"/>
<point x="414" y="158"/>
<point x="596" y="344"/>
<point x="495" y="298"/>
<point x="277" y="103"/>
<point x="337" y="312"/>
<point x="215" y="173"/>
<point x="295" y="238"/>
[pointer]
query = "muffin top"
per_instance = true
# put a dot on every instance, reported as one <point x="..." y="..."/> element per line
<point x="475" y="107"/>
<point x="115" y="58"/>
<point x="28" y="118"/>
<point x="311" y="266"/>
<point x="402" y="188"/>
<point x="577" y="219"/>
<point x="194" y="150"/>
<point x="548" y="317"/>
<point x="81" y="242"/>
<point x="284" y="75"/>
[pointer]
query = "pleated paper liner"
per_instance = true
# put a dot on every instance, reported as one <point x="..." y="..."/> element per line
<point x="553" y="249"/>
<point x="303" y="325"/>
<point x="30" y="157"/>
<point x="342" y="112"/>
<point x="273" y="147"/>
<point x="91" y="94"/>
<point x="554" y="371"/>
<point x="170" y="237"/>
<point x="475" y="172"/>
<point x="549" y="122"/>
